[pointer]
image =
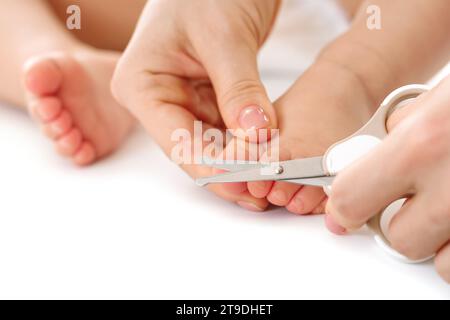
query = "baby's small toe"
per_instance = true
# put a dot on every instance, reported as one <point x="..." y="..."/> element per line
<point x="42" y="76"/>
<point x="296" y="206"/>
<point x="260" y="189"/>
<point x="306" y="200"/>
<point x="85" y="155"/>
<point x="320" y="209"/>
<point x="60" y="126"/>
<point x="242" y="198"/>
<point x="233" y="187"/>
<point x="250" y="206"/>
<point x="282" y="193"/>
<point x="46" y="109"/>
<point x="70" y="143"/>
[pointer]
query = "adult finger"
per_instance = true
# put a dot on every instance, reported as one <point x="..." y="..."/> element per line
<point x="420" y="228"/>
<point x="370" y="184"/>
<point x="157" y="102"/>
<point x="242" y="98"/>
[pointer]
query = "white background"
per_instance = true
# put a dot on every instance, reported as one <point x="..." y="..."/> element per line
<point x="134" y="226"/>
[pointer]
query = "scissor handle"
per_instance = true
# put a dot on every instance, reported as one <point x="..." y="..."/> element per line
<point x="345" y="152"/>
<point x="376" y="225"/>
<point x="377" y="125"/>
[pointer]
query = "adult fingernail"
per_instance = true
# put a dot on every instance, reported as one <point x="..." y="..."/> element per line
<point x="250" y="206"/>
<point x="333" y="226"/>
<point x="253" y="117"/>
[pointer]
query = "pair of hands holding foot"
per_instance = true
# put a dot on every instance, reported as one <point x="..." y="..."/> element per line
<point x="197" y="60"/>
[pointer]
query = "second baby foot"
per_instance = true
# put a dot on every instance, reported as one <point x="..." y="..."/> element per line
<point x="69" y="95"/>
<point x="314" y="114"/>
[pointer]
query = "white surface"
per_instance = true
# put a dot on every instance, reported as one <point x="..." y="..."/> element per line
<point x="134" y="226"/>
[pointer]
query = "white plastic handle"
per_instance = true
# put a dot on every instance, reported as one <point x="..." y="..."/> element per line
<point x="343" y="153"/>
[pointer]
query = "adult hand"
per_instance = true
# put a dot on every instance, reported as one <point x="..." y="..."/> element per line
<point x="412" y="162"/>
<point x="197" y="60"/>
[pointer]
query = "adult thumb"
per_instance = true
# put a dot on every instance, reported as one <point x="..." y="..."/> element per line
<point x="242" y="99"/>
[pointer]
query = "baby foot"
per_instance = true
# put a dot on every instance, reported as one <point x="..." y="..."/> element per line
<point x="313" y="116"/>
<point x="69" y="95"/>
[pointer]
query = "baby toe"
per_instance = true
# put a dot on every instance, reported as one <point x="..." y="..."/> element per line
<point x="46" y="109"/>
<point x="250" y="206"/>
<point x="306" y="200"/>
<point x="42" y="76"/>
<point x="233" y="187"/>
<point x="85" y="155"/>
<point x="243" y="199"/>
<point x="282" y="193"/>
<point x="60" y="126"/>
<point x="69" y="143"/>
<point x="320" y="209"/>
<point x="260" y="189"/>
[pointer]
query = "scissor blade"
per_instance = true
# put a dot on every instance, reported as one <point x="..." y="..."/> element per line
<point x="287" y="170"/>
<point x="230" y="166"/>
<point x="316" y="182"/>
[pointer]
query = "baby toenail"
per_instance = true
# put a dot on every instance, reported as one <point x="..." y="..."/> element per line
<point x="58" y="128"/>
<point x="299" y="205"/>
<point x="280" y="196"/>
<point x="250" y="206"/>
<point x="44" y="114"/>
<point x="66" y="143"/>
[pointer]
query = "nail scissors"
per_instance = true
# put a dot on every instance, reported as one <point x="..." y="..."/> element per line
<point x="321" y="171"/>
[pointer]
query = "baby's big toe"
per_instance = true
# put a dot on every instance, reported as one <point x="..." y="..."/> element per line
<point x="42" y="76"/>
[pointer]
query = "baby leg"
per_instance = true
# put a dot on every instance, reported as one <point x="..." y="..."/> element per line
<point x="63" y="82"/>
